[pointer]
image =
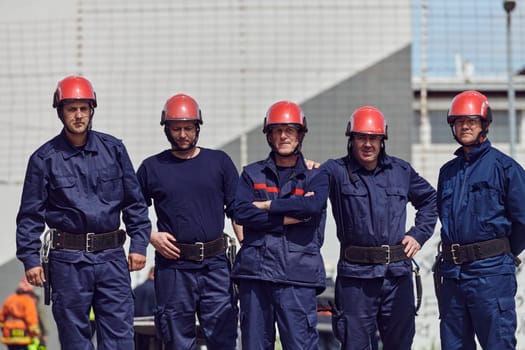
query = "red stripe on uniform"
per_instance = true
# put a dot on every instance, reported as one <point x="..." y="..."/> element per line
<point x="298" y="191"/>
<point x="266" y="188"/>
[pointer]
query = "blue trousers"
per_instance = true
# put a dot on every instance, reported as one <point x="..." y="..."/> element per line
<point x="205" y="292"/>
<point x="365" y="306"/>
<point x="76" y="287"/>
<point x="293" y="308"/>
<point x="483" y="307"/>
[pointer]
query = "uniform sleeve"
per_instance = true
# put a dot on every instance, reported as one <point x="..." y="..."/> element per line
<point x="142" y="178"/>
<point x="423" y="197"/>
<point x="249" y="215"/>
<point x="231" y="180"/>
<point x="30" y="219"/>
<point x="303" y="207"/>
<point x="515" y="208"/>
<point x="135" y="210"/>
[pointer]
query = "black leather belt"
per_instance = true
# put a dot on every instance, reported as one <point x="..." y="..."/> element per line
<point x="89" y="242"/>
<point x="200" y="250"/>
<point x="374" y="255"/>
<point x="459" y="254"/>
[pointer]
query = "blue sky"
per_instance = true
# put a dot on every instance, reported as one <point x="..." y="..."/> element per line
<point x="474" y="29"/>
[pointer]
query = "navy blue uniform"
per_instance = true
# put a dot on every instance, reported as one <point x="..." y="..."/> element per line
<point x="279" y="267"/>
<point x="83" y="190"/>
<point x="190" y="197"/>
<point x="370" y="211"/>
<point x="480" y="199"/>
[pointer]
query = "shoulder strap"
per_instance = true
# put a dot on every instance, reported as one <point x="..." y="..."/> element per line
<point x="351" y="175"/>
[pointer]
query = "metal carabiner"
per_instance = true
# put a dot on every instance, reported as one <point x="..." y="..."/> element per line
<point x="47" y="242"/>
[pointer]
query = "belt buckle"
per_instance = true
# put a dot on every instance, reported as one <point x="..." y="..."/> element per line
<point x="89" y="242"/>
<point x="201" y="251"/>
<point x="387" y="251"/>
<point x="453" y="250"/>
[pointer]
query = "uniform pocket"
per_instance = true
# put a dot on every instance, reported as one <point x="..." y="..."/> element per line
<point x="58" y="182"/>
<point x="62" y="187"/>
<point x="162" y="324"/>
<point x="110" y="182"/>
<point x="339" y="325"/>
<point x="484" y="198"/>
<point x="249" y="258"/>
<point x="304" y="264"/>
<point x="357" y="199"/>
<point x="397" y="201"/>
<point x="507" y="319"/>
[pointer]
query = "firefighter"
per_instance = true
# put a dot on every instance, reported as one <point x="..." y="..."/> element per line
<point x="282" y="207"/>
<point x="80" y="184"/>
<point x="480" y="203"/>
<point x="191" y="189"/>
<point x="369" y="192"/>
<point x="19" y="318"/>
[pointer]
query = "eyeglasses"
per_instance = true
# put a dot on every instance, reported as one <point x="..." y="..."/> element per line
<point x="468" y="120"/>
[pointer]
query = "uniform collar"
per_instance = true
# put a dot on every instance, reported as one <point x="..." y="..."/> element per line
<point x="383" y="162"/>
<point x="474" y="153"/>
<point x="68" y="150"/>
<point x="299" y="165"/>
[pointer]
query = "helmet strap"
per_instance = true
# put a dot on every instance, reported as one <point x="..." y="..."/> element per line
<point x="175" y="146"/>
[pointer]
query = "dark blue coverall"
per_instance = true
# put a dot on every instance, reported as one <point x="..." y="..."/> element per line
<point x="370" y="211"/>
<point x="480" y="199"/>
<point x="279" y="267"/>
<point x="85" y="190"/>
<point x="191" y="198"/>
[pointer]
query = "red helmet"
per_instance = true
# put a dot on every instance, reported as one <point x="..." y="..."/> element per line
<point x="469" y="103"/>
<point x="285" y="112"/>
<point x="181" y="107"/>
<point x="367" y="120"/>
<point x="74" y="88"/>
